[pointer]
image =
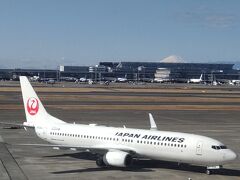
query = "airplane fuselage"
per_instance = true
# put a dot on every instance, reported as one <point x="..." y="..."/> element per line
<point x="160" y="145"/>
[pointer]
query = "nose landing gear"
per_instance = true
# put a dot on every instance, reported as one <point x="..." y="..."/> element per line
<point x="210" y="169"/>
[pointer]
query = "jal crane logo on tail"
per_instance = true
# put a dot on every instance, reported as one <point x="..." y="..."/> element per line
<point x="32" y="106"/>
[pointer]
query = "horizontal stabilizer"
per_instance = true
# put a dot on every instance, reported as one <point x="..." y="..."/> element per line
<point x="16" y="125"/>
<point x="100" y="149"/>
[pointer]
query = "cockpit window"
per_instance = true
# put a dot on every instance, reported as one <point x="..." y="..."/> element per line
<point x="223" y="147"/>
<point x="214" y="147"/>
<point x="219" y="147"/>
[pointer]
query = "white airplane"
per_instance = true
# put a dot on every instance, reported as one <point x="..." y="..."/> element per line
<point x="160" y="80"/>
<point x="195" y="80"/>
<point x="122" y="79"/>
<point x="83" y="79"/>
<point x="34" y="78"/>
<point x="234" y="82"/>
<point x="118" y="146"/>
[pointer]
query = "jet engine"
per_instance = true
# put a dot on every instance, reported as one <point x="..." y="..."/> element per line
<point x="117" y="158"/>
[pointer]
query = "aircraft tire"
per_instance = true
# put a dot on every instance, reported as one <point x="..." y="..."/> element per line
<point x="100" y="163"/>
<point x="208" y="172"/>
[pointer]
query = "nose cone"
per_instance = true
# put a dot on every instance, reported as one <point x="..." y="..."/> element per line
<point x="230" y="155"/>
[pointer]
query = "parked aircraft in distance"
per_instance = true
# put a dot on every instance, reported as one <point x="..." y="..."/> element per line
<point x="83" y="79"/>
<point x="68" y="79"/>
<point x="161" y="80"/>
<point x="119" y="146"/>
<point x="196" y="80"/>
<point x="234" y="82"/>
<point x="122" y="79"/>
<point x="35" y="78"/>
<point x="48" y="80"/>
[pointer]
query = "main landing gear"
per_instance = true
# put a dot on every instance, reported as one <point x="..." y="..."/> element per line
<point x="100" y="162"/>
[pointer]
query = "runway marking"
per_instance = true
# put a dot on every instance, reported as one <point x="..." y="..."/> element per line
<point x="11" y="166"/>
<point x="3" y="173"/>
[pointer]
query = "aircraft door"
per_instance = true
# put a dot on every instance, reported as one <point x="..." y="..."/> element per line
<point x="44" y="133"/>
<point x="199" y="148"/>
<point x="41" y="131"/>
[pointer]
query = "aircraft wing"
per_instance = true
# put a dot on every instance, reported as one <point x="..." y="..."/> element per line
<point x="100" y="149"/>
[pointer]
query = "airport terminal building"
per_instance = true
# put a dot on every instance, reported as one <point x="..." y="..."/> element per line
<point x="134" y="71"/>
<point x="147" y="71"/>
<point x="177" y="71"/>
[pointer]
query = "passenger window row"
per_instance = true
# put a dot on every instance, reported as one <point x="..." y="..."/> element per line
<point x="116" y="139"/>
<point x="162" y="144"/>
<point x="127" y="140"/>
<point x="84" y="136"/>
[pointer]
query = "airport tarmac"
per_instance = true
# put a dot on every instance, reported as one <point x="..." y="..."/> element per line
<point x="206" y="111"/>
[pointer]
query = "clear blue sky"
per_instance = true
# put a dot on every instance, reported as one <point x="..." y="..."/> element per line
<point x="47" y="33"/>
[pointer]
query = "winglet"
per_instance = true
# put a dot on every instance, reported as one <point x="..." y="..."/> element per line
<point x="152" y="122"/>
